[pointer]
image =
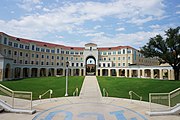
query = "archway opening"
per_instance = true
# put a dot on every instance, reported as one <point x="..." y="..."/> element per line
<point x="90" y="65"/>
<point x="8" y="71"/>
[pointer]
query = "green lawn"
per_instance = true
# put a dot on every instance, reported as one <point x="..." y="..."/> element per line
<point x="120" y="87"/>
<point x="40" y="85"/>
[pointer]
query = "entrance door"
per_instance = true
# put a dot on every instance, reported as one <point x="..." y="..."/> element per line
<point x="90" y="65"/>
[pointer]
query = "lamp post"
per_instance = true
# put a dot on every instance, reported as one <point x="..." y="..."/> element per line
<point x="67" y="64"/>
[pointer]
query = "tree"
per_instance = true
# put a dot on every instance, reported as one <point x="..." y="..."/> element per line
<point x="166" y="49"/>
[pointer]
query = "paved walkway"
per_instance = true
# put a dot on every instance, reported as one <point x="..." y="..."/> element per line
<point x="90" y="105"/>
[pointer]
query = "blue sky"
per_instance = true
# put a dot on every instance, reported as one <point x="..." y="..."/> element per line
<point x="77" y="22"/>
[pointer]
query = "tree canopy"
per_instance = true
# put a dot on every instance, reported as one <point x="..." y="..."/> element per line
<point x="166" y="49"/>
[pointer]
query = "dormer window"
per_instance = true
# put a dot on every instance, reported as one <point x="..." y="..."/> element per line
<point x="17" y="39"/>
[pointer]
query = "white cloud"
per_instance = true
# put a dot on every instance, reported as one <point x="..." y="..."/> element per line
<point x="94" y="34"/>
<point x="97" y="27"/>
<point x="70" y="17"/>
<point x="120" y="29"/>
<point x="178" y="5"/>
<point x="177" y="12"/>
<point x="155" y="26"/>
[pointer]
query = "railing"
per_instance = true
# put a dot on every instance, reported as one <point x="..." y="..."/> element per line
<point x="75" y="93"/>
<point x="11" y="96"/>
<point x="48" y="91"/>
<point x="165" y="100"/>
<point x="131" y="93"/>
<point x="105" y="93"/>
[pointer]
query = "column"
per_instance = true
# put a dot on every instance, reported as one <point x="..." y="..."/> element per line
<point x="100" y="72"/>
<point x="72" y="72"/>
<point x="139" y="73"/>
<point x="169" y="74"/>
<point x="47" y="72"/>
<point x="126" y="74"/>
<point x="21" y="73"/>
<point x="109" y="72"/>
<point x="130" y="73"/>
<point x="38" y="72"/>
<point x="117" y="72"/>
<point x="80" y="72"/>
<point x="84" y="72"/>
<point x="96" y="72"/>
<point x="64" y="72"/>
<point x="172" y="75"/>
<point x="143" y="73"/>
<point x="29" y="75"/>
<point x="161" y="74"/>
<point x="55" y="71"/>
<point x="152" y="74"/>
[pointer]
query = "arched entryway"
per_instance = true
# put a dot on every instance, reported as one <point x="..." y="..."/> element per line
<point x="8" y="71"/>
<point x="90" y="65"/>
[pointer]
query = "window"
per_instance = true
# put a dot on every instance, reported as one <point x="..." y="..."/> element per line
<point x="123" y="58"/>
<point x="128" y="51"/>
<point x="32" y="62"/>
<point x="52" y="57"/>
<point x="47" y="63"/>
<point x="27" y="55"/>
<point x="119" y="58"/>
<point x="48" y="50"/>
<point x="15" y="52"/>
<point x="26" y="62"/>
<point x="42" y="50"/>
<point x="5" y="40"/>
<point x="58" y="57"/>
<point x="123" y="64"/>
<point x="72" y="65"/>
<point x="57" y="50"/>
<point x="76" y="53"/>
<point x="99" y="64"/>
<point x="77" y="64"/>
<point x="81" y="59"/>
<point x="108" y="64"/>
<point x="81" y="53"/>
<point x="42" y="56"/>
<point x="37" y="49"/>
<point x="109" y="59"/>
<point x="129" y="58"/>
<point x="81" y="64"/>
<point x="57" y="64"/>
<point x="47" y="56"/>
<point x="90" y="48"/>
<point x="20" y="61"/>
<point x="76" y="58"/>
<point x="119" y="52"/>
<point x="104" y="59"/>
<point x="62" y="52"/>
<point x="36" y="62"/>
<point x="21" y="46"/>
<point x="33" y="47"/>
<point x="62" y="58"/>
<point x="67" y="52"/>
<point x="109" y="53"/>
<point x="72" y="52"/>
<point x="119" y="64"/>
<point x="52" y="63"/>
<point x="21" y="54"/>
<point x="123" y="51"/>
<point x="114" y="58"/>
<point x="62" y="64"/>
<point x="9" y="52"/>
<point x="114" y="64"/>
<point x="71" y="58"/>
<point x="27" y="47"/>
<point x="16" y="45"/>
<point x="104" y="65"/>
<point x="114" y="52"/>
<point x="32" y="55"/>
<point x="5" y="51"/>
<point x="104" y="53"/>
<point x="42" y="63"/>
<point x="52" y="51"/>
<point x="14" y="61"/>
<point x="37" y="56"/>
<point x="10" y="43"/>
<point x="66" y="58"/>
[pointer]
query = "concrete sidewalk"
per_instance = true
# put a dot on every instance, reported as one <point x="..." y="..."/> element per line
<point x="90" y="89"/>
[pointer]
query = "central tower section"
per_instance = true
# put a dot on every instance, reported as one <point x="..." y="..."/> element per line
<point x="91" y="58"/>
